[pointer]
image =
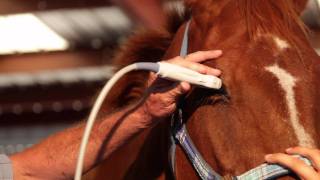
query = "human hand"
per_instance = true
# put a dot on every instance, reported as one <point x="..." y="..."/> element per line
<point x="164" y="94"/>
<point x="303" y="170"/>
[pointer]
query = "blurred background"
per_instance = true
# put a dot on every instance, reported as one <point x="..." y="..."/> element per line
<point x="55" y="55"/>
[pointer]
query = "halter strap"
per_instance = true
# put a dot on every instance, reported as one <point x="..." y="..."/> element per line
<point x="179" y="135"/>
<point x="268" y="171"/>
<point x="185" y="41"/>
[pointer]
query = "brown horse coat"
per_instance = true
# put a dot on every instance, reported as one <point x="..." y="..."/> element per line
<point x="270" y="98"/>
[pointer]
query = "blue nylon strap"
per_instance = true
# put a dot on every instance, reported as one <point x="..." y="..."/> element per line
<point x="185" y="41"/>
<point x="200" y="165"/>
<point x="268" y="171"/>
<point x="179" y="135"/>
<point x="182" y="136"/>
<point x="172" y="152"/>
<point x="172" y="140"/>
<point x="264" y="171"/>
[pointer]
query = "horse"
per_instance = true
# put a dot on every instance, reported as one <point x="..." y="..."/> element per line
<point x="271" y="77"/>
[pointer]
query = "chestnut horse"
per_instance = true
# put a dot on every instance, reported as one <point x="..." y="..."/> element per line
<point x="269" y="101"/>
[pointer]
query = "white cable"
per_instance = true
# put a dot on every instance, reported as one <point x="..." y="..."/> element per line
<point x="93" y="115"/>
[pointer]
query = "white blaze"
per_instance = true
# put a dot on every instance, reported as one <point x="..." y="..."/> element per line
<point x="287" y="83"/>
<point x="280" y="43"/>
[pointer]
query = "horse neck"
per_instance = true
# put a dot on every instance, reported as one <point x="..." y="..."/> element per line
<point x="256" y="120"/>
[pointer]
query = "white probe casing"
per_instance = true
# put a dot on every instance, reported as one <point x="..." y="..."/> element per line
<point x="175" y="72"/>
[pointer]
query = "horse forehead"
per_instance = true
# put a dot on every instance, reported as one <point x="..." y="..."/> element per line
<point x="279" y="44"/>
<point x="287" y="82"/>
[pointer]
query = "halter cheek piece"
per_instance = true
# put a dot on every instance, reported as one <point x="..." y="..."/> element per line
<point x="179" y="135"/>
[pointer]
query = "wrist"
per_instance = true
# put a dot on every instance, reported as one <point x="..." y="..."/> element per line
<point x="147" y="118"/>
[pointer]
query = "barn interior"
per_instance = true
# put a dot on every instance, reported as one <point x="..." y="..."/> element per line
<point x="55" y="56"/>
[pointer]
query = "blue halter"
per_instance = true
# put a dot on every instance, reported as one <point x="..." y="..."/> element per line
<point x="179" y="135"/>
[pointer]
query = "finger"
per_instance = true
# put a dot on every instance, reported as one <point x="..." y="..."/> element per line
<point x="201" y="56"/>
<point x="312" y="154"/>
<point x="180" y="89"/>
<point x="298" y="166"/>
<point x="203" y="69"/>
<point x="185" y="87"/>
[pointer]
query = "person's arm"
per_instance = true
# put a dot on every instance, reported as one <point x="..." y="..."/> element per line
<point x="55" y="157"/>
<point x="298" y="166"/>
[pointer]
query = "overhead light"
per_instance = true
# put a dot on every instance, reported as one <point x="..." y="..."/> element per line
<point x="25" y="33"/>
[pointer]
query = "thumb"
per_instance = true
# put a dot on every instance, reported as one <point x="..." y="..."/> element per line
<point x="181" y="89"/>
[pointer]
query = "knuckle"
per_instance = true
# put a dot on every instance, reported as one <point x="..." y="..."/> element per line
<point x="277" y="156"/>
<point x="177" y="58"/>
<point x="203" y="69"/>
<point x="197" y="67"/>
<point x="297" y="162"/>
<point x="297" y="148"/>
<point x="293" y="160"/>
<point x="287" y="159"/>
<point x="189" y="56"/>
<point x="202" y="56"/>
<point x="197" y="54"/>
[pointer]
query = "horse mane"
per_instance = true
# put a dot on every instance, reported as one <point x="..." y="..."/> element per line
<point x="277" y="17"/>
<point x="150" y="45"/>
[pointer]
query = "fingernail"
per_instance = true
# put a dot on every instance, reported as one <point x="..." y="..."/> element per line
<point x="215" y="71"/>
<point x="217" y="51"/>
<point x="185" y="86"/>
<point x="289" y="149"/>
<point x="268" y="157"/>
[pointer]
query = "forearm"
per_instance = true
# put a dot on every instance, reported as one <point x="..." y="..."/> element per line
<point x="55" y="157"/>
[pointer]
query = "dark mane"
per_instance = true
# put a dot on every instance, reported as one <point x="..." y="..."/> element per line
<point x="150" y="45"/>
